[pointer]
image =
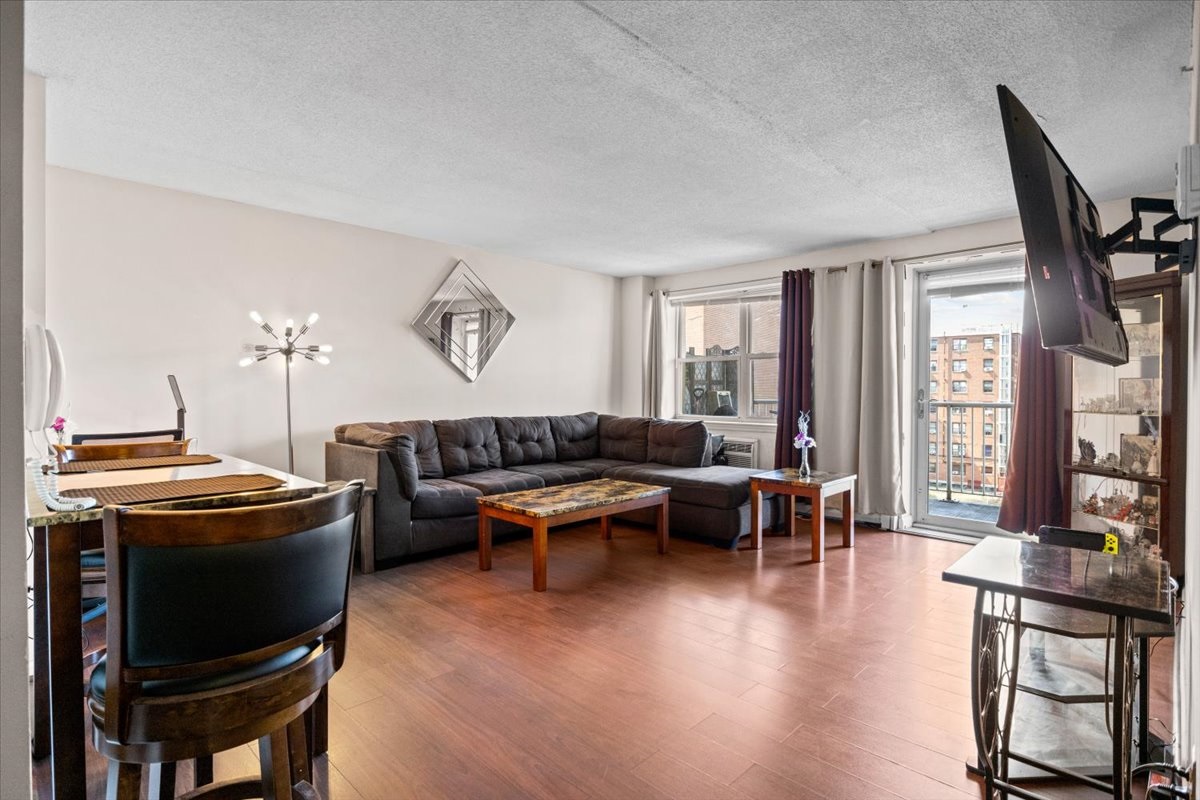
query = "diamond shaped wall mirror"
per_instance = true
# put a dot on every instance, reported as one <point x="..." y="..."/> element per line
<point x="464" y="321"/>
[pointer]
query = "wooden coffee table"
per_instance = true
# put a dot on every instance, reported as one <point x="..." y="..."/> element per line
<point x="816" y="487"/>
<point x="539" y="509"/>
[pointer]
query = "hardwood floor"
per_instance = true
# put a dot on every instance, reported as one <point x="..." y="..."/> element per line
<point x="702" y="674"/>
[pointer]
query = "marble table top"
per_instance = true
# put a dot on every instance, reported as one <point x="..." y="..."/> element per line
<point x="555" y="500"/>
<point x="293" y="487"/>
<point x="791" y="476"/>
<point x="1125" y="585"/>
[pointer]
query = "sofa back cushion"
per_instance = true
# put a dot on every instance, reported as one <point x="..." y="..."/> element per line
<point x="467" y="445"/>
<point x="624" y="438"/>
<point x="676" y="443"/>
<point x="425" y="446"/>
<point x="576" y="436"/>
<point x="524" y="440"/>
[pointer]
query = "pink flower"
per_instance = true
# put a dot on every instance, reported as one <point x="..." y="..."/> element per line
<point x="59" y="424"/>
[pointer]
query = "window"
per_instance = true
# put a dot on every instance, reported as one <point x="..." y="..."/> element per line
<point x="956" y="428"/>
<point x="989" y="343"/>
<point x="958" y="387"/>
<point x="933" y="366"/>
<point x="989" y="365"/>
<point x="933" y="344"/>
<point x="933" y="428"/>
<point x="958" y="449"/>
<point x="987" y="451"/>
<point x="933" y="387"/>
<point x="933" y="449"/>
<point x="989" y="387"/>
<point x="959" y="365"/>
<point x="988" y="428"/>
<point x="958" y="410"/>
<point x="729" y="357"/>
<point x="958" y="345"/>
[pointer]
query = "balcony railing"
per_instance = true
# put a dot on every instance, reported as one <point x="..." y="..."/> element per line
<point x="968" y="451"/>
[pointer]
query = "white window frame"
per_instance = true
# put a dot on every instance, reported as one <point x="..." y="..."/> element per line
<point x="744" y="358"/>
<point x="958" y="365"/>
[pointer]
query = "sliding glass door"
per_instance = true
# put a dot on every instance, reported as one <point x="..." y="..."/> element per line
<point x="968" y="332"/>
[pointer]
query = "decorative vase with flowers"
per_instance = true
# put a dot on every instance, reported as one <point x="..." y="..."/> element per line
<point x="803" y="442"/>
<point x="59" y="427"/>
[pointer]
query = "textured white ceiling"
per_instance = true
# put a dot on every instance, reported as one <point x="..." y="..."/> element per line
<point x="619" y="137"/>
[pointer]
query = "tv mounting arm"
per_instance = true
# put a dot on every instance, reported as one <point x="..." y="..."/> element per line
<point x="1167" y="254"/>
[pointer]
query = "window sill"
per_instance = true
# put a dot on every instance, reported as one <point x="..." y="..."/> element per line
<point x="730" y="422"/>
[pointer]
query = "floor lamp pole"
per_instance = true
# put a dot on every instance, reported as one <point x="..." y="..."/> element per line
<point x="287" y="383"/>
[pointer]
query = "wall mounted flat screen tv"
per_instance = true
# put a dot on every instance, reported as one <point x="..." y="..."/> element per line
<point x="1074" y="292"/>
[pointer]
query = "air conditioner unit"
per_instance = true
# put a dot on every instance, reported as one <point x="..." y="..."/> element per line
<point x="742" y="452"/>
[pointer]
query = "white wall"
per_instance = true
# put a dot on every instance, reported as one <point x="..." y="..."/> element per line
<point x="635" y="307"/>
<point x="14" y="674"/>
<point x="143" y="281"/>
<point x="965" y="237"/>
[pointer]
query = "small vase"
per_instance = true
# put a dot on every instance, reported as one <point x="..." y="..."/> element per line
<point x="804" y="470"/>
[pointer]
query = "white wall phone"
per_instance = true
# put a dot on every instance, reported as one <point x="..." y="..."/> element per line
<point x="43" y="396"/>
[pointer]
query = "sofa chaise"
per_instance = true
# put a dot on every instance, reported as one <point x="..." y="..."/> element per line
<point x="428" y="474"/>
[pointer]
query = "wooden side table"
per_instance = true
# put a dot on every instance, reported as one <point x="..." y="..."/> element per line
<point x="816" y="487"/>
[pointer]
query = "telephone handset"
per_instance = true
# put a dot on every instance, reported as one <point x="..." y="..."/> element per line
<point x="47" y="489"/>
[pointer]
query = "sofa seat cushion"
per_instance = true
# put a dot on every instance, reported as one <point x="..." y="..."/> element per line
<point x="499" y="481"/>
<point x="442" y="497"/>
<point x="715" y="487"/>
<point x="558" y="474"/>
<point x="599" y="465"/>
<point x="524" y="440"/>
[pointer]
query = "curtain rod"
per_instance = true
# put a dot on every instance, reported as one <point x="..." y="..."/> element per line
<point x="900" y="262"/>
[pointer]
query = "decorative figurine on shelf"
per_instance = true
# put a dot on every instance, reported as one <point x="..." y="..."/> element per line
<point x="803" y="442"/>
<point x="1087" y="451"/>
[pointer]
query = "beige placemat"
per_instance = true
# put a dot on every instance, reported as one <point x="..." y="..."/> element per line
<point x="176" y="490"/>
<point x="113" y="464"/>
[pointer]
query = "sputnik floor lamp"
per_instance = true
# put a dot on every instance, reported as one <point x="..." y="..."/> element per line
<point x="286" y="346"/>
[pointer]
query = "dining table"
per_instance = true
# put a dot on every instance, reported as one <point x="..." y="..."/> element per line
<point x="59" y="539"/>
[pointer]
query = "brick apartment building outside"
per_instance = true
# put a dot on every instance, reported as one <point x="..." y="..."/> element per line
<point x="971" y="382"/>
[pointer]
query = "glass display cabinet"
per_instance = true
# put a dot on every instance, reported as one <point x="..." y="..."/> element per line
<point x="1125" y="428"/>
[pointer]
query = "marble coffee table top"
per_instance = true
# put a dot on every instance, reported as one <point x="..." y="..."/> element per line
<point x="791" y="475"/>
<point x="554" y="500"/>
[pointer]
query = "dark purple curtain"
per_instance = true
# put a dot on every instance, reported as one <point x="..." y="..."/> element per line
<point x="1033" y="486"/>
<point x="795" y="363"/>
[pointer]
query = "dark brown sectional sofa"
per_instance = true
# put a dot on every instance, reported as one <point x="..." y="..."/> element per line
<point x="428" y="474"/>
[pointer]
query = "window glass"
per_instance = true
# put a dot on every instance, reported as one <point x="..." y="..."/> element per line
<point x="712" y="329"/>
<point x="960" y="365"/>
<point x="764" y="326"/>
<point x="987" y="451"/>
<point x="933" y="448"/>
<point x="933" y="366"/>
<point x="987" y="428"/>
<point x="764" y="385"/>
<point x="933" y="344"/>
<point x="989" y="365"/>
<point x="710" y="388"/>
<point x="723" y="346"/>
<point x="958" y="345"/>
<point x="960" y="386"/>
<point x="989" y="386"/>
<point x="989" y="343"/>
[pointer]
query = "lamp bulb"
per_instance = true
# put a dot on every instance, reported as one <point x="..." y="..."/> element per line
<point x="326" y="348"/>
<point x="256" y="317"/>
<point x="312" y="318"/>
<point x="322" y="359"/>
<point x="247" y="361"/>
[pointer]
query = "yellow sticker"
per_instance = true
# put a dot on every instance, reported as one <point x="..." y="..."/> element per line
<point x="1111" y="543"/>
